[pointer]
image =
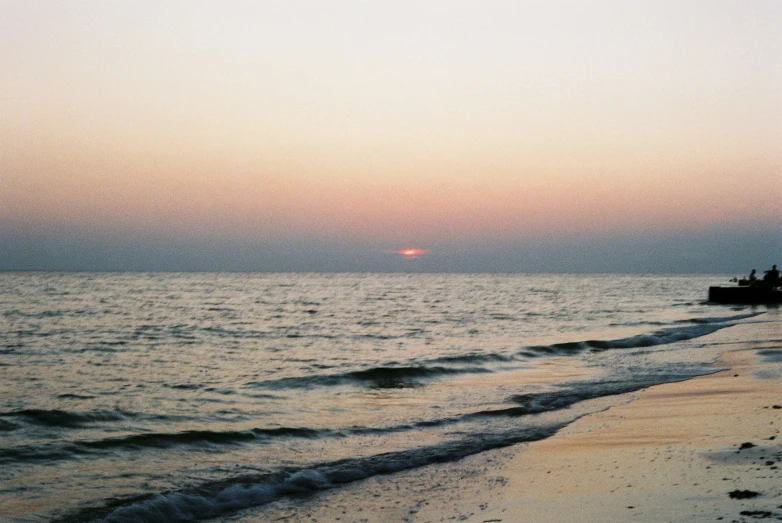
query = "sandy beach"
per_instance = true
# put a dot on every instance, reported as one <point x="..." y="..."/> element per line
<point x="707" y="449"/>
<point x="703" y="450"/>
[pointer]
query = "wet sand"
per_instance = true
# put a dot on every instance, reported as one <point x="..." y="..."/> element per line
<point x="708" y="449"/>
<point x="676" y="453"/>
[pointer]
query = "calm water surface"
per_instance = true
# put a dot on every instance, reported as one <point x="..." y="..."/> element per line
<point x="165" y="397"/>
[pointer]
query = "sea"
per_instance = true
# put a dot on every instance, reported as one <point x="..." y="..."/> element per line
<point x="145" y="397"/>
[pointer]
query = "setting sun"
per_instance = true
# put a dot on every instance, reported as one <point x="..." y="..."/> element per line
<point x="412" y="254"/>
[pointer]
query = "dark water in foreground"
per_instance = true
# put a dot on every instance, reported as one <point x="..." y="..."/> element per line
<point x="177" y="397"/>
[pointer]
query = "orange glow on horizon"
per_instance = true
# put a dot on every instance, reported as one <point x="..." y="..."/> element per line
<point x="411" y="254"/>
<point x="295" y="134"/>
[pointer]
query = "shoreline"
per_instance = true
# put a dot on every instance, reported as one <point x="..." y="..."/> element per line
<point x="707" y="449"/>
<point x="673" y="452"/>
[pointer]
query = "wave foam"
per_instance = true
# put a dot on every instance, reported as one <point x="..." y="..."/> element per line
<point x="231" y="495"/>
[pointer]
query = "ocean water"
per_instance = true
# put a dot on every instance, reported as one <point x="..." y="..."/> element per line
<point x="180" y="397"/>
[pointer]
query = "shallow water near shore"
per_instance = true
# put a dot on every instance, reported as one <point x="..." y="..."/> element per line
<point x="165" y="397"/>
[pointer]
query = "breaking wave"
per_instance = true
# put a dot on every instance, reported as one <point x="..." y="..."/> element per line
<point x="210" y="500"/>
<point x="233" y="494"/>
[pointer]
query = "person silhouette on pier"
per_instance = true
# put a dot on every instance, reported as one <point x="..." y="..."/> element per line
<point x="771" y="278"/>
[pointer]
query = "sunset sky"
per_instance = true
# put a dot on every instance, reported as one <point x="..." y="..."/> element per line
<point x="628" y="136"/>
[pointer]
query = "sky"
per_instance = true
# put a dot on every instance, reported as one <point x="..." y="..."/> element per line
<point x="303" y="135"/>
